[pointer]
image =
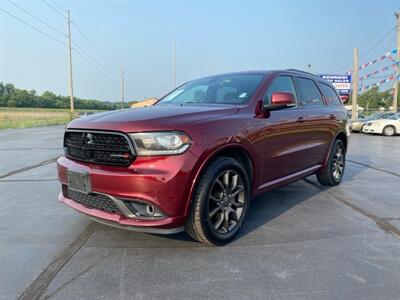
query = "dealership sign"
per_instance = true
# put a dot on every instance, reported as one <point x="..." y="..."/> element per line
<point x="342" y="83"/>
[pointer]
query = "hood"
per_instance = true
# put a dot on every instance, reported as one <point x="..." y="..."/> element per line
<point x="376" y="121"/>
<point x="157" y="117"/>
<point x="357" y="120"/>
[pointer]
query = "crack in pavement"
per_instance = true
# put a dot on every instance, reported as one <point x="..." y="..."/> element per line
<point x="43" y="163"/>
<point x="28" y="180"/>
<point x="382" y="223"/>
<point x="372" y="167"/>
<point x="30" y="148"/>
<point x="40" y="284"/>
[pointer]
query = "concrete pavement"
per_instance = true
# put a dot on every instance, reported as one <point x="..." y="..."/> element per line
<point x="302" y="241"/>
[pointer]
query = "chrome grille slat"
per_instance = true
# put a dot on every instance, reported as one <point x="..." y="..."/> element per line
<point x="111" y="148"/>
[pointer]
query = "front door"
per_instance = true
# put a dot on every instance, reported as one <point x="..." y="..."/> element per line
<point x="283" y="135"/>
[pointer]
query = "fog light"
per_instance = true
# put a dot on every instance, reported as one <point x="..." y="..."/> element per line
<point x="144" y="210"/>
<point x="150" y="209"/>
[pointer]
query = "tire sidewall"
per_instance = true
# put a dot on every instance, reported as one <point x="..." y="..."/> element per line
<point x="215" y="170"/>
<point x="334" y="148"/>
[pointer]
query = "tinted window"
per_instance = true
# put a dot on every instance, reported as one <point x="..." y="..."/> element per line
<point x="224" y="89"/>
<point x="330" y="94"/>
<point x="395" y="117"/>
<point x="280" y="84"/>
<point x="309" y="94"/>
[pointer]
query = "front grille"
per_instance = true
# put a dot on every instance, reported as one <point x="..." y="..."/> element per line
<point x="98" y="147"/>
<point x="92" y="200"/>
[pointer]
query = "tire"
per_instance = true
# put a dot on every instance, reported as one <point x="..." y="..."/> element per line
<point x="389" y="130"/>
<point x="212" y="213"/>
<point x="332" y="174"/>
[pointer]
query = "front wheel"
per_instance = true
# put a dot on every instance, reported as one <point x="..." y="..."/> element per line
<point x="220" y="203"/>
<point x="333" y="172"/>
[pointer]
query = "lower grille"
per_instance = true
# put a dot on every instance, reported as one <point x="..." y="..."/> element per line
<point x="92" y="200"/>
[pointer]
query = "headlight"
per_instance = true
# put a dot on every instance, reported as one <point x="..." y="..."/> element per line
<point x="161" y="143"/>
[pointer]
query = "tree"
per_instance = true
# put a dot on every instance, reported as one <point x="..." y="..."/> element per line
<point x="370" y="99"/>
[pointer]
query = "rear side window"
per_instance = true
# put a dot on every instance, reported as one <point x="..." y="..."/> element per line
<point x="330" y="94"/>
<point x="309" y="95"/>
<point x="280" y="84"/>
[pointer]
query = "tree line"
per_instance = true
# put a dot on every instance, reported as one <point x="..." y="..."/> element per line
<point x="374" y="99"/>
<point x="10" y="96"/>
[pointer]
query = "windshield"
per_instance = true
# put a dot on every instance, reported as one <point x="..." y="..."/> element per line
<point x="394" y="117"/>
<point x="224" y="89"/>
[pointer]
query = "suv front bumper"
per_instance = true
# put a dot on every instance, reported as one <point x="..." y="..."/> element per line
<point x="163" y="182"/>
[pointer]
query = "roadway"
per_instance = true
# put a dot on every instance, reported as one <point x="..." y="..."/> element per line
<point x="302" y="241"/>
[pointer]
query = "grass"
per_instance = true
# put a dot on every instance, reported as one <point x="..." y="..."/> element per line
<point x="11" y="117"/>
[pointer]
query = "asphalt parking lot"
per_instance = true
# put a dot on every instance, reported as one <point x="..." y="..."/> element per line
<point x="302" y="241"/>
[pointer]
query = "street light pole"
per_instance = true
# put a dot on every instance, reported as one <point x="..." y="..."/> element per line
<point x="354" y="108"/>
<point x="174" y="53"/>
<point x="396" y="83"/>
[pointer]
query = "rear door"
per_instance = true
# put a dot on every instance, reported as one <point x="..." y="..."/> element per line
<point x="316" y="121"/>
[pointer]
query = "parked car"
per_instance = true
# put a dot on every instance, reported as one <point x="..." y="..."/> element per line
<point x="196" y="158"/>
<point x="389" y="126"/>
<point x="357" y="124"/>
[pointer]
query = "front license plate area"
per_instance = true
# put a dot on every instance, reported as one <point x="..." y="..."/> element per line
<point x="79" y="181"/>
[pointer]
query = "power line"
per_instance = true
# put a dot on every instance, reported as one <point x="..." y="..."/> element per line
<point x="102" y="68"/>
<point x="87" y="57"/>
<point x="53" y="8"/>
<point x="366" y="52"/>
<point x="37" y="18"/>
<point x="82" y="55"/>
<point x="90" y="42"/>
<point x="93" y="62"/>
<point x="33" y="27"/>
<point x="62" y="8"/>
<point x="134" y="83"/>
<point x="377" y="43"/>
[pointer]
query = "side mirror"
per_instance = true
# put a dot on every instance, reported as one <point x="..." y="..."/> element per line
<point x="280" y="100"/>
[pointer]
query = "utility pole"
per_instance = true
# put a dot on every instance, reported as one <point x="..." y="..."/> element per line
<point x="122" y="87"/>
<point x="354" y="108"/>
<point x="70" y="82"/>
<point x="174" y="53"/>
<point x="396" y="83"/>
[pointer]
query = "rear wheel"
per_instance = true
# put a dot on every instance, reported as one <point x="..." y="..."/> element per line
<point x="333" y="172"/>
<point x="220" y="203"/>
<point x="389" y="130"/>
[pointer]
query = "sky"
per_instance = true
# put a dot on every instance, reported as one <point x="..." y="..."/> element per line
<point x="211" y="37"/>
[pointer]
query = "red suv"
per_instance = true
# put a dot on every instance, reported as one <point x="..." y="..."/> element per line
<point x="194" y="160"/>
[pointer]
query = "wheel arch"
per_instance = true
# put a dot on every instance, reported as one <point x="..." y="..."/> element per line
<point x="237" y="151"/>
<point x="343" y="137"/>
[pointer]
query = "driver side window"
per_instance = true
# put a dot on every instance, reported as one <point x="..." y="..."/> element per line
<point x="280" y="84"/>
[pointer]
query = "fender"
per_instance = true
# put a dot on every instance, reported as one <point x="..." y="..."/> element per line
<point x="200" y="167"/>
<point x="325" y="162"/>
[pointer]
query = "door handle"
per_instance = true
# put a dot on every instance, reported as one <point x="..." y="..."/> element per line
<point x="332" y="116"/>
<point x="300" y="120"/>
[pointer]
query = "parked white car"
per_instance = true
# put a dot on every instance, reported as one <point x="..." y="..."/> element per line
<point x="389" y="126"/>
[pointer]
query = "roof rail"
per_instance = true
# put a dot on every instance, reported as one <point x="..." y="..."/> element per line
<point x="300" y="71"/>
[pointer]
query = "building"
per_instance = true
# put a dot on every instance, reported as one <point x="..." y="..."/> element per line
<point x="144" y="103"/>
